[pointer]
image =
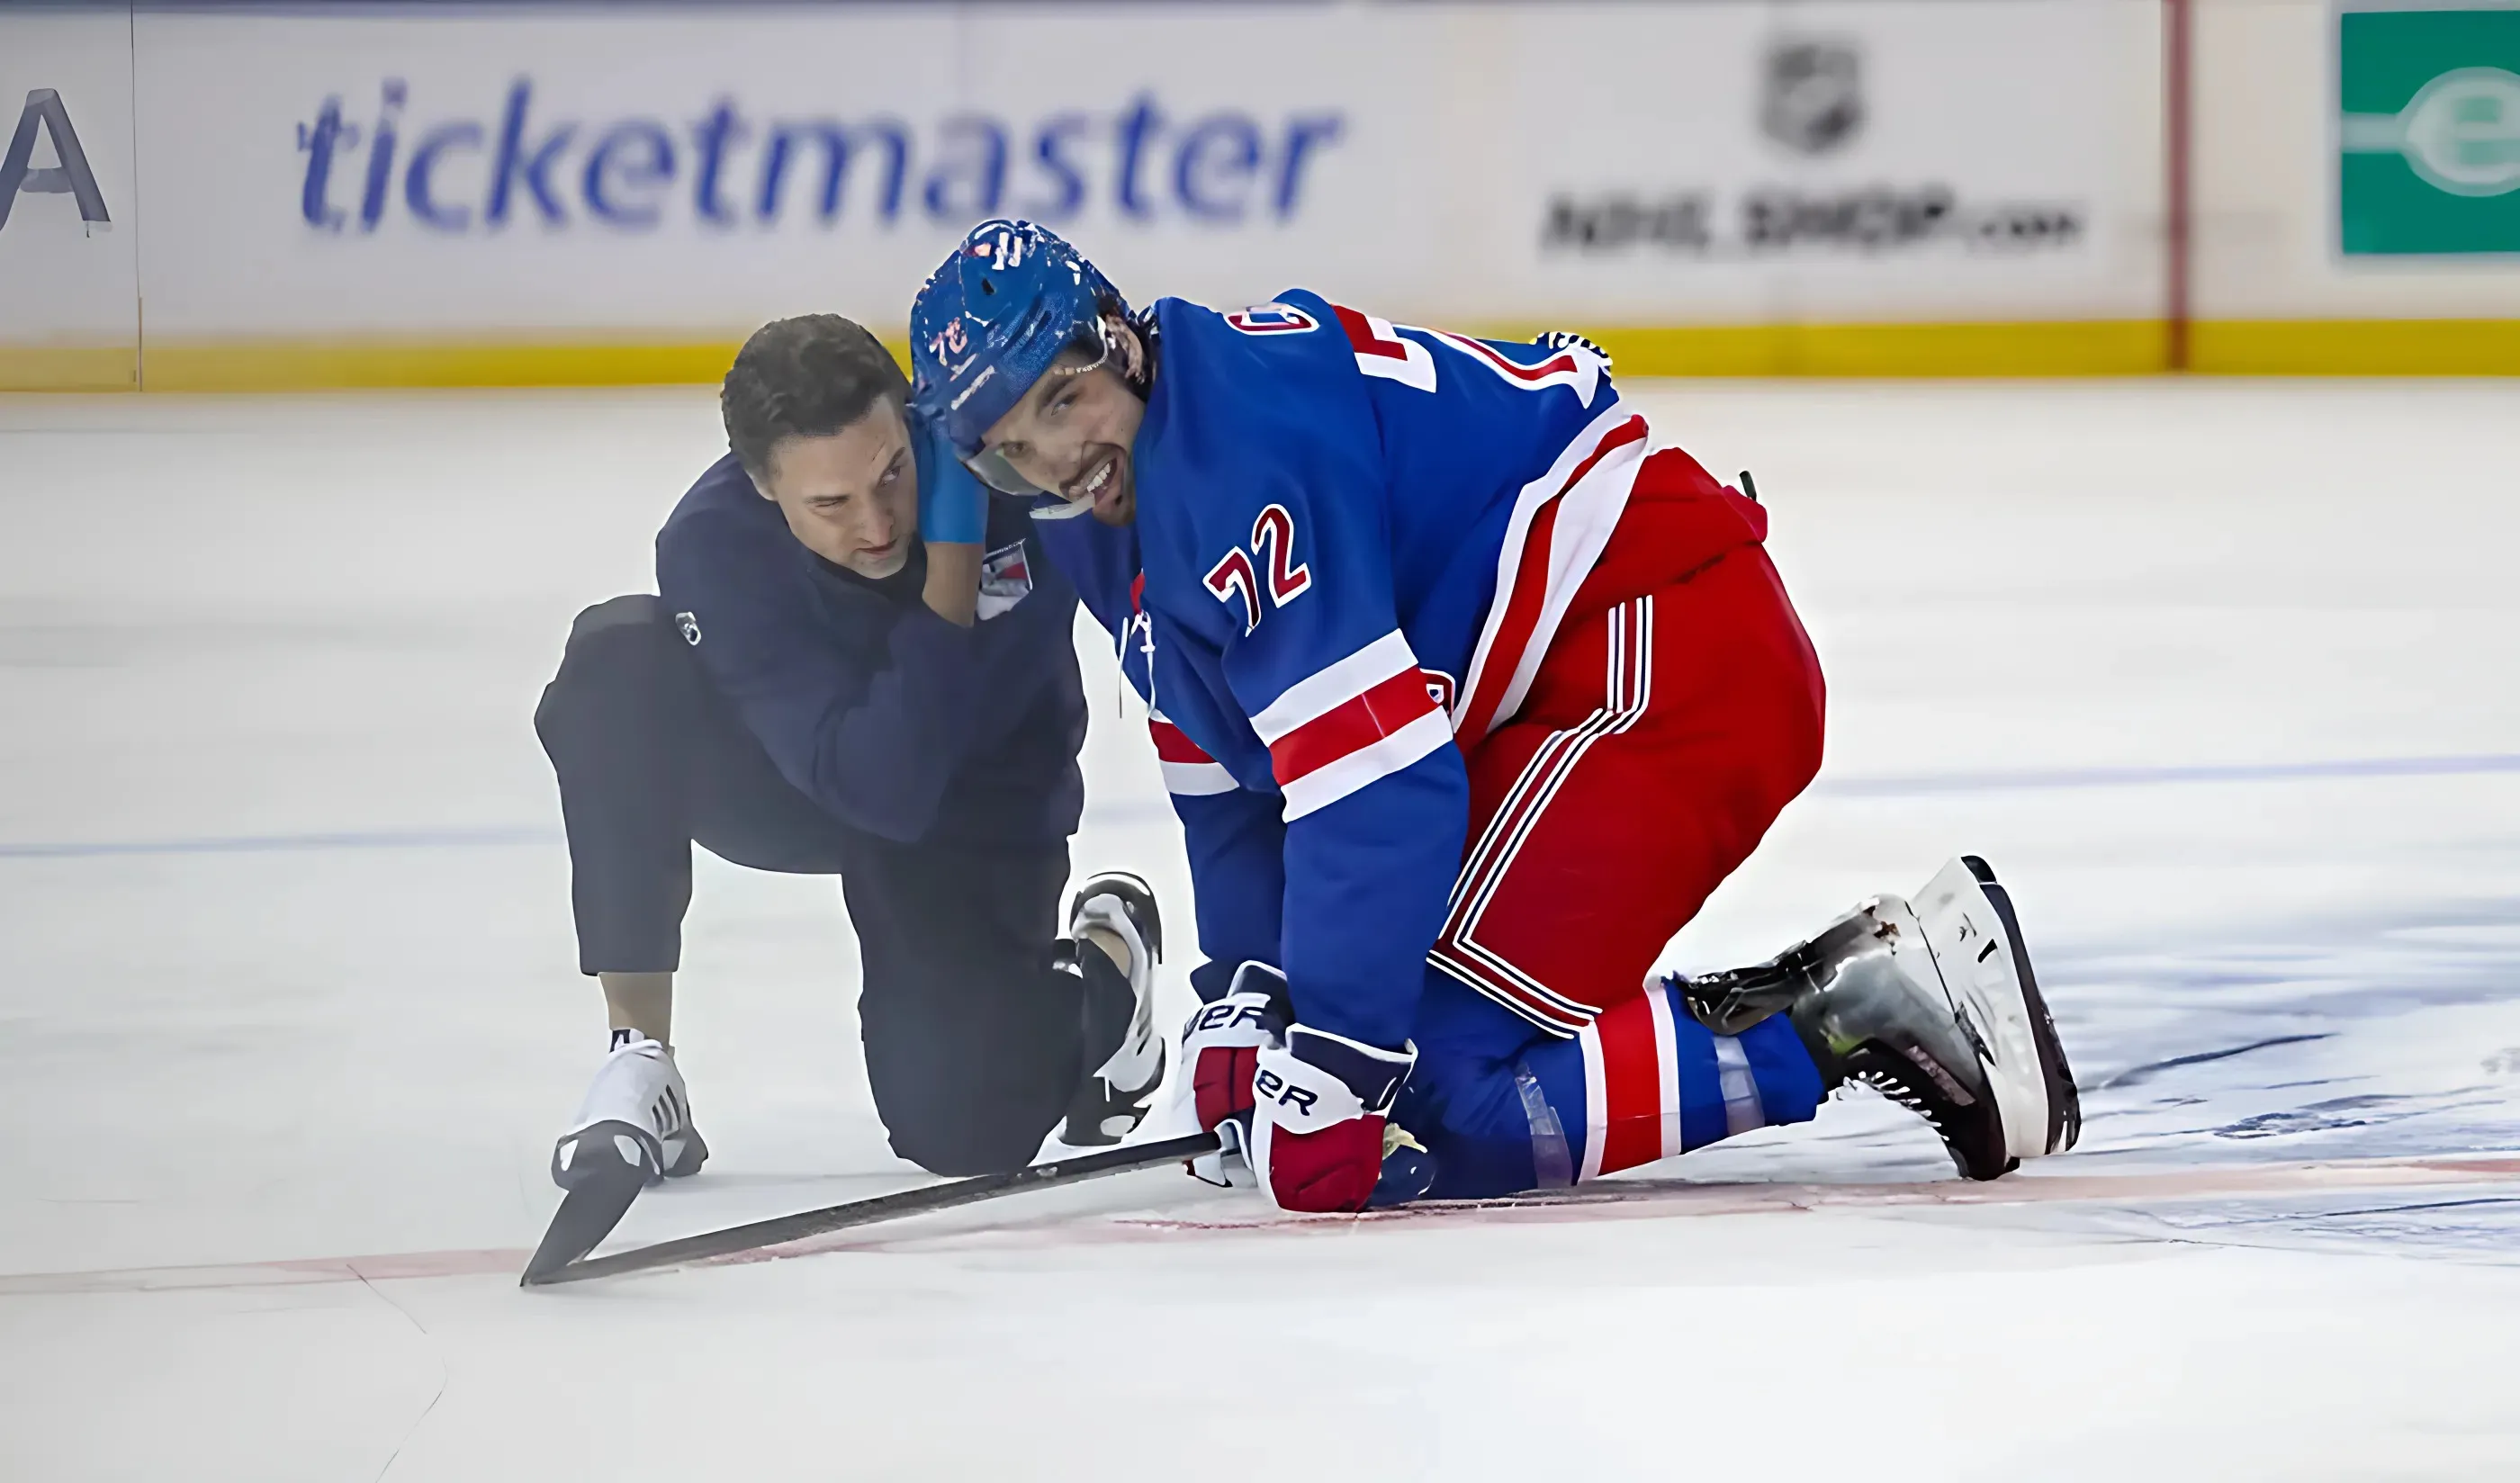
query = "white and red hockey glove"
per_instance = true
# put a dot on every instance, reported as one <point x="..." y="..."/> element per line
<point x="1221" y="1045"/>
<point x="1223" y="1041"/>
<point x="1321" y="1130"/>
<point x="1303" y="1111"/>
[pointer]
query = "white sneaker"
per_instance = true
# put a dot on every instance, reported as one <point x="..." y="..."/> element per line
<point x="633" y="1130"/>
<point x="636" y="1113"/>
<point x="1112" y="1101"/>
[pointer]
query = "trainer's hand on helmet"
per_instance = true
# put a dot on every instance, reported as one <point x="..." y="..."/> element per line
<point x="953" y="508"/>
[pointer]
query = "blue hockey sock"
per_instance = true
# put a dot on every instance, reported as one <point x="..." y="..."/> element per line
<point x="1506" y="1107"/>
<point x="1644" y="1082"/>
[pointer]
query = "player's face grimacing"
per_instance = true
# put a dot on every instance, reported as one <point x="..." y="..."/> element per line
<point x="852" y="498"/>
<point x="1072" y="432"/>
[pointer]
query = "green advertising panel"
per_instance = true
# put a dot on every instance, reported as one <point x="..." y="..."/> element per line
<point x="2430" y="137"/>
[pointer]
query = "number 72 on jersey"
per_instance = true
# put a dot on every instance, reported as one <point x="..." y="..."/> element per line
<point x="1236" y="576"/>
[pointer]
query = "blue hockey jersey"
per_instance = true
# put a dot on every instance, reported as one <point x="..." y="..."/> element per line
<point x="1353" y="542"/>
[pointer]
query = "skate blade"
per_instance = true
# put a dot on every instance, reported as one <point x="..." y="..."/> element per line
<point x="587" y="1215"/>
<point x="2064" y="1098"/>
<point x="1986" y="968"/>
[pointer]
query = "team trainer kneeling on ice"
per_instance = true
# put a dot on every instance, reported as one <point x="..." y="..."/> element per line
<point x="1466" y="703"/>
<point x="856" y="667"/>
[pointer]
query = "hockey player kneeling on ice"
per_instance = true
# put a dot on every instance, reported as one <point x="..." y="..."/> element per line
<point x="1466" y="701"/>
<point x="859" y="665"/>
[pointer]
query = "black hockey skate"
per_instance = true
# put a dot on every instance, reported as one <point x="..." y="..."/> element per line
<point x="1112" y="1100"/>
<point x="1932" y="1005"/>
<point x="634" y="1130"/>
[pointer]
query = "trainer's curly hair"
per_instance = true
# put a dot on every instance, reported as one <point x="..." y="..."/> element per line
<point x="806" y="377"/>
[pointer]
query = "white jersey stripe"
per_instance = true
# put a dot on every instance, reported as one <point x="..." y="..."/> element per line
<point x="1326" y="784"/>
<point x="1197" y="779"/>
<point x="1586" y="516"/>
<point x="1594" y="508"/>
<point x="1333" y="685"/>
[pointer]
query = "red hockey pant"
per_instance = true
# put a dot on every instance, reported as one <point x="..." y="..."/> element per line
<point x="1674" y="715"/>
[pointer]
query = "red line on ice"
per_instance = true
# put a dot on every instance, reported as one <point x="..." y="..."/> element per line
<point x="1621" y="1198"/>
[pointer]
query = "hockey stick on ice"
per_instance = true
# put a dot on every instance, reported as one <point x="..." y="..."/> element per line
<point x="781" y="1230"/>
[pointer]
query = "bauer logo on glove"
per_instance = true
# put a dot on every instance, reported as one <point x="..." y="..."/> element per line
<point x="1319" y="1116"/>
<point x="1223" y="1041"/>
<point x="1269" y="1087"/>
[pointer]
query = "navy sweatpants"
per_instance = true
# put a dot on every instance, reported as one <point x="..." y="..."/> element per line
<point x="974" y="1043"/>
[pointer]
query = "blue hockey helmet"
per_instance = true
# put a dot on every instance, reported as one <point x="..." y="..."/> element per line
<point x="990" y="320"/>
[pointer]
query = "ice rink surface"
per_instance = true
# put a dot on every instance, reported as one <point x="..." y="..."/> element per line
<point x="2221" y="676"/>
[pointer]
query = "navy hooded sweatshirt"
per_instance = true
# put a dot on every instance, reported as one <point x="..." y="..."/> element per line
<point x="890" y="718"/>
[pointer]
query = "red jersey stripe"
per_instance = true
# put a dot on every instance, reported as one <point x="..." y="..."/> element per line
<point x="1173" y="747"/>
<point x="1558" y="365"/>
<point x="1360" y="333"/>
<point x="1351" y="726"/>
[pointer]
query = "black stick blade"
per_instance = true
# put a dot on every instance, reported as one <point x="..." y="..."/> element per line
<point x="587" y="1215"/>
<point x="781" y="1230"/>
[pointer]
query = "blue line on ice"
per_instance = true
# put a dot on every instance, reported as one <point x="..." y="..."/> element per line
<point x="259" y="844"/>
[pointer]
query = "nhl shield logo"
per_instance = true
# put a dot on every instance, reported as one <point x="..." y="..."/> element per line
<point x="691" y="627"/>
<point x="1812" y="99"/>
